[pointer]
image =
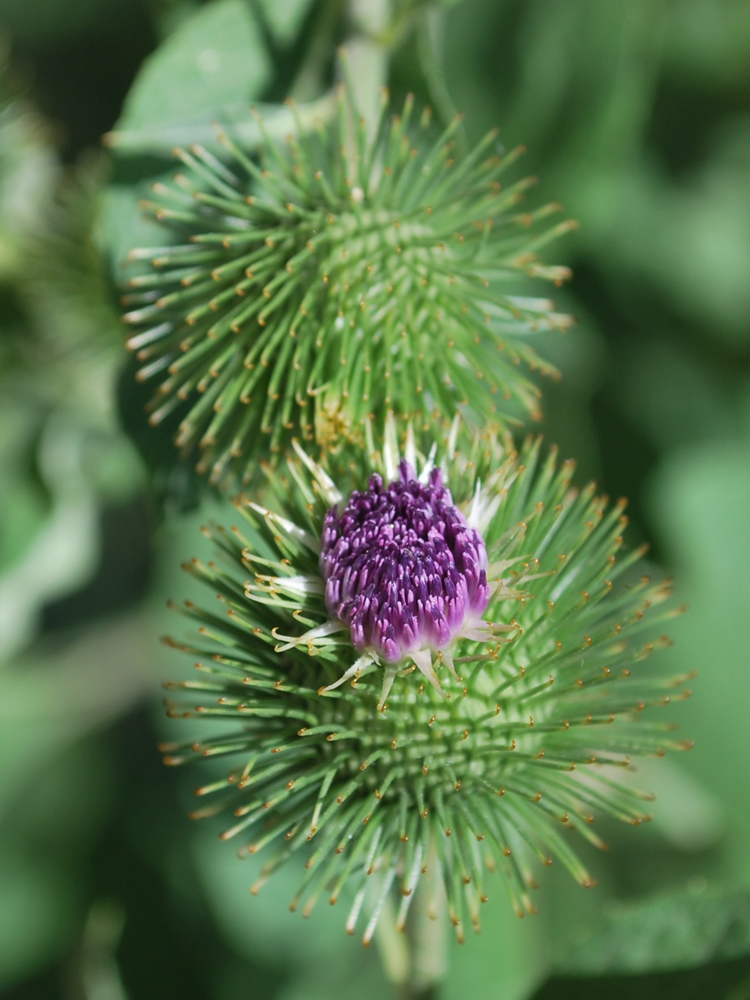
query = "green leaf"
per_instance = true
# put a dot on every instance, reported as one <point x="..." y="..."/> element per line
<point x="691" y="238"/>
<point x="48" y="824"/>
<point x="23" y="515"/>
<point x="285" y="18"/>
<point x="38" y="905"/>
<point x="709" y="42"/>
<point x="319" y="958"/>
<point x="278" y="121"/>
<point x="215" y="58"/>
<point x="680" y="947"/>
<point x="669" y="932"/>
<point x="28" y="171"/>
<point x="505" y="961"/>
<point x="692" y="404"/>
<point x="686" y="814"/>
<point x="700" y="500"/>
<point x="124" y="225"/>
<point x="47" y="702"/>
<point x="64" y="551"/>
<point x="262" y="925"/>
<point x="719" y="981"/>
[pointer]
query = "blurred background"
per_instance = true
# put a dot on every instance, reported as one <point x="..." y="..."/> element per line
<point x="636" y="115"/>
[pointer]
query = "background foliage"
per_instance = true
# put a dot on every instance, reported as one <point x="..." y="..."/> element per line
<point x="636" y="114"/>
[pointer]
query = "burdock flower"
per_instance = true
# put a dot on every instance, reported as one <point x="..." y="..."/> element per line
<point x="429" y="664"/>
<point x="405" y="571"/>
<point x="301" y="290"/>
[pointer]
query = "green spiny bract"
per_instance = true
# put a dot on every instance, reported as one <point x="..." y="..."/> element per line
<point x="333" y="277"/>
<point x="487" y="770"/>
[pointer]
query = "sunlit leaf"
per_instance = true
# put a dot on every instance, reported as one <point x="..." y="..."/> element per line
<point x="215" y="58"/>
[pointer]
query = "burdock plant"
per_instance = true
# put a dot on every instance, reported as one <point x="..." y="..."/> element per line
<point x="431" y="659"/>
<point x="428" y="664"/>
<point x="347" y="270"/>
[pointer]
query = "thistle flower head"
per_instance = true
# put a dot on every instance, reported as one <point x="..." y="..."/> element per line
<point x="304" y="289"/>
<point x="402" y="568"/>
<point x="428" y="663"/>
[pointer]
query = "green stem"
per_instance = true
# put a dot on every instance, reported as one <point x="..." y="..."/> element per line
<point x="430" y="45"/>
<point x="309" y="81"/>
<point x="415" y="962"/>
<point x="393" y="949"/>
<point x="368" y="53"/>
<point x="427" y="932"/>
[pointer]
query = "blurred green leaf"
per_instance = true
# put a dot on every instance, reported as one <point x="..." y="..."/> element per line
<point x="64" y="551"/>
<point x="41" y="890"/>
<point x="686" y="812"/>
<point x="700" y="500"/>
<point x="124" y="226"/>
<point x="566" y="404"/>
<point x="29" y="169"/>
<point x="69" y="802"/>
<point x="321" y="958"/>
<point x="160" y="140"/>
<point x="215" y="58"/>
<point x="671" y="396"/>
<point x="671" y="932"/>
<point x="54" y="696"/>
<point x="285" y="18"/>
<point x="262" y="924"/>
<point x="51" y="493"/>
<point x="691" y="239"/>
<point x="719" y="981"/>
<point x="24" y="511"/>
<point x="506" y="960"/>
<point x="38" y="898"/>
<point x="685" y="946"/>
<point x="709" y="41"/>
<point x="575" y="82"/>
<point x="64" y="279"/>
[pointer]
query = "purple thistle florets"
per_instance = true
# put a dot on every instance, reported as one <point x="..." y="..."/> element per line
<point x="402" y="568"/>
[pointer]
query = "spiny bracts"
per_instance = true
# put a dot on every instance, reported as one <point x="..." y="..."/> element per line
<point x="304" y="289"/>
<point x="467" y="749"/>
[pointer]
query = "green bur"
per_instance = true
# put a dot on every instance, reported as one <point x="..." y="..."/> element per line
<point x="347" y="271"/>
<point x="490" y="769"/>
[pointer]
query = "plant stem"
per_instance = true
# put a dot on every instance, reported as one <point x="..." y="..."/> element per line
<point x="426" y="931"/>
<point x="368" y="54"/>
<point x="430" y="45"/>
<point x="415" y="962"/>
<point x="309" y="82"/>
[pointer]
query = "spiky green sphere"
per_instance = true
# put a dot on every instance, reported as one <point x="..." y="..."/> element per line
<point x="478" y="749"/>
<point x="304" y="289"/>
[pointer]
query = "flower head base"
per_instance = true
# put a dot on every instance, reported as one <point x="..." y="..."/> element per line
<point x="308" y="288"/>
<point x="403" y="569"/>
<point x="529" y="728"/>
